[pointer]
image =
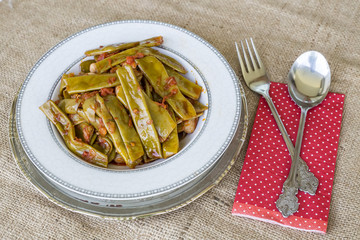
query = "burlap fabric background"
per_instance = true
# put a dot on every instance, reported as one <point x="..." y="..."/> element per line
<point x="282" y="31"/>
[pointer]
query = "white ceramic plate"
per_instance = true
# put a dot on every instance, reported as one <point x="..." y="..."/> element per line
<point x="199" y="151"/>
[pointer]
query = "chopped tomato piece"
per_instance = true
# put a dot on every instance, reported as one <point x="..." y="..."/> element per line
<point x="113" y="70"/>
<point x="111" y="80"/>
<point x="101" y="57"/>
<point x="106" y="91"/>
<point x="139" y="55"/>
<point x="136" y="111"/>
<point x="88" y="155"/>
<point x="112" y="127"/>
<point x="102" y="131"/>
<point x="87" y="133"/>
<point x="129" y="60"/>
<point x="88" y="95"/>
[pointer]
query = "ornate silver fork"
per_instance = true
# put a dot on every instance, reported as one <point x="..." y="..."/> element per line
<point x="256" y="79"/>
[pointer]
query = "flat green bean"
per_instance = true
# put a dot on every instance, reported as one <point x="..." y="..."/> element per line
<point x="169" y="61"/>
<point x="107" y="63"/>
<point x="69" y="106"/>
<point x="187" y="87"/>
<point x="139" y="112"/>
<point x="86" y="83"/>
<point x="163" y="121"/>
<point x="171" y="144"/>
<point x="121" y="96"/>
<point x="128" y="133"/>
<point x="111" y="127"/>
<point x="67" y="131"/>
<point x="166" y="87"/>
<point x="84" y="131"/>
<point x="151" y="42"/>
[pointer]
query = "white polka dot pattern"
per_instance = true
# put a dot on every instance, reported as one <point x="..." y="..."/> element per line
<point x="267" y="162"/>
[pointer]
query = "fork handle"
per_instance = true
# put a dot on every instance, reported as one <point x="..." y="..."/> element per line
<point x="306" y="179"/>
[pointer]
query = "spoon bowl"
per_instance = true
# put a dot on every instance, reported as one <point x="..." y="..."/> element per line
<point x="309" y="79"/>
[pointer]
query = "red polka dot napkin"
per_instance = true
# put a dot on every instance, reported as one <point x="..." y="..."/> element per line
<point x="267" y="162"/>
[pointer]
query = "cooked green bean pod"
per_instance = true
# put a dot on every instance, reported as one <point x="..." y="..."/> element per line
<point x="128" y="133"/>
<point x="67" y="131"/>
<point x="151" y="42"/>
<point x="111" y="48"/>
<point x="146" y="159"/>
<point x="119" y="160"/>
<point x="199" y="107"/>
<point x="111" y="128"/>
<point x="139" y="112"/>
<point x="63" y="92"/>
<point x="76" y="119"/>
<point x="84" y="131"/>
<point x="171" y="144"/>
<point x="88" y="108"/>
<point x="166" y="87"/>
<point x="113" y="60"/>
<point x="69" y="106"/>
<point x="86" y="83"/>
<point x="180" y="120"/>
<point x="180" y="127"/>
<point x="104" y="145"/>
<point x="107" y="63"/>
<point x="93" y="139"/>
<point x="187" y="87"/>
<point x="85" y="66"/>
<point x="121" y="96"/>
<point x="112" y="155"/>
<point x="96" y="122"/>
<point x="148" y="89"/>
<point x="82" y="114"/>
<point x="156" y="97"/>
<point x="169" y="61"/>
<point x="163" y="121"/>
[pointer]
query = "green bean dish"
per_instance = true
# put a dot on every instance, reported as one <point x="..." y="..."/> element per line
<point x="129" y="105"/>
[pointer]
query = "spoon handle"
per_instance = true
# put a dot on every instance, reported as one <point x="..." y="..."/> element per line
<point x="288" y="202"/>
<point x="307" y="181"/>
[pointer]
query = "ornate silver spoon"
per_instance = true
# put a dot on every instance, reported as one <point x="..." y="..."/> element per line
<point x="308" y="81"/>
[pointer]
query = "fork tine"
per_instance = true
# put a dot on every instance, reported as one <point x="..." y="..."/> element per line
<point x="243" y="69"/>
<point x="245" y="57"/>
<point x="250" y="54"/>
<point x="256" y="54"/>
